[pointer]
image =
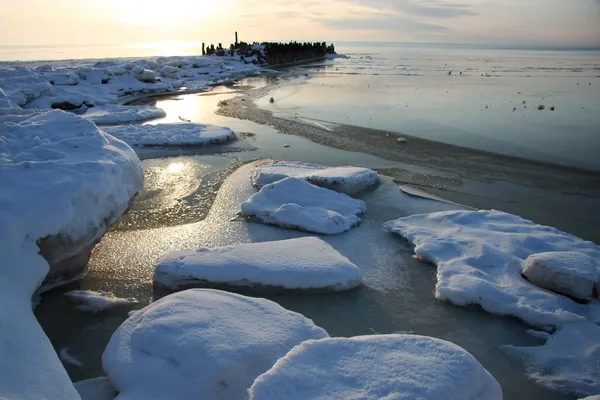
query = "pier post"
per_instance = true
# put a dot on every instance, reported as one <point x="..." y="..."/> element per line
<point x="203" y="51"/>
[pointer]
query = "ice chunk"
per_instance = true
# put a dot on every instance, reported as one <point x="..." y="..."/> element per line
<point x="169" y="72"/>
<point x="304" y="263"/>
<point x="144" y="75"/>
<point x="569" y="361"/>
<point x="93" y="176"/>
<point x="201" y="343"/>
<point x="567" y="272"/>
<point x="184" y="134"/>
<point x="377" y="367"/>
<point x="95" y="389"/>
<point x="294" y="203"/>
<point x="479" y="255"/>
<point x="97" y="301"/>
<point x="113" y="114"/>
<point x="349" y="180"/>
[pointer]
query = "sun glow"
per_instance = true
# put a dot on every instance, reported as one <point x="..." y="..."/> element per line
<point x="159" y="13"/>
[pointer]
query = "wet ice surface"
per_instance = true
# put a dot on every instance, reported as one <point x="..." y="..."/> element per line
<point x="398" y="291"/>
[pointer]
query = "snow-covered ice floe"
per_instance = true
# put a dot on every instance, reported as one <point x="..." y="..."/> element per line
<point x="569" y="272"/>
<point x="115" y="114"/>
<point x="95" y="389"/>
<point x="63" y="181"/>
<point x="79" y="84"/>
<point x="201" y="343"/>
<point x="479" y="256"/>
<point x="304" y="263"/>
<point x="348" y="180"/>
<point x="97" y="301"/>
<point x="178" y="134"/>
<point x="294" y="203"/>
<point x="568" y="362"/>
<point x="377" y="367"/>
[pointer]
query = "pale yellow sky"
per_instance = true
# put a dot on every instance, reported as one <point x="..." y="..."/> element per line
<point x="61" y="22"/>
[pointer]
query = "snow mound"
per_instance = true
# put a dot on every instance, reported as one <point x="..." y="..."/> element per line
<point x="169" y="72"/>
<point x="348" y="180"/>
<point x="113" y="114"/>
<point x="93" y="176"/>
<point x="568" y="272"/>
<point x="304" y="263"/>
<point x="377" y="367"/>
<point x="479" y="254"/>
<point x="97" y="301"/>
<point x="184" y="134"/>
<point x="294" y="203"/>
<point x="144" y="75"/>
<point x="568" y="362"/>
<point x="201" y="343"/>
<point x="95" y="389"/>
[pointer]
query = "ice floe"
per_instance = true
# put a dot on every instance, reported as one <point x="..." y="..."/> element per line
<point x="304" y="263"/>
<point x="95" y="389"/>
<point x="93" y="178"/>
<point x="97" y="301"/>
<point x="377" y="367"/>
<point x="479" y="255"/>
<point x="201" y="343"/>
<point x="569" y="361"/>
<point x="183" y="134"/>
<point x="349" y="180"/>
<point x="76" y="84"/>
<point x="115" y="114"/>
<point x="294" y="203"/>
<point x="568" y="272"/>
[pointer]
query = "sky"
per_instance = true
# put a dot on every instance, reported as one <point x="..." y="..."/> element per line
<point x="85" y="22"/>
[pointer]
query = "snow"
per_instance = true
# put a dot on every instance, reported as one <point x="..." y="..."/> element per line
<point x="183" y="134"/>
<point x="479" y="254"/>
<point x="567" y="272"/>
<point x="568" y="362"/>
<point x="348" y="180"/>
<point x="95" y="389"/>
<point x="93" y="178"/>
<point x="304" y="263"/>
<point x="201" y="342"/>
<point x="377" y="367"/>
<point x="294" y="203"/>
<point x="82" y="83"/>
<point x="538" y="334"/>
<point x="592" y="398"/>
<point x="97" y="301"/>
<point x="114" y="114"/>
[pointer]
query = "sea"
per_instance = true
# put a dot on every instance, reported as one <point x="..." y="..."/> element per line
<point x="485" y="98"/>
<point x="539" y="103"/>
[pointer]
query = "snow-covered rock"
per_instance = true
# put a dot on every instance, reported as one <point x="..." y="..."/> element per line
<point x="349" y="180"/>
<point x="201" y="343"/>
<point x="113" y="114"/>
<point x="95" y="389"/>
<point x="179" y="134"/>
<point x="144" y="75"/>
<point x="479" y="254"/>
<point x="97" y="301"/>
<point x="304" y="263"/>
<point x="63" y="182"/>
<point x="377" y="367"/>
<point x="568" y="272"/>
<point x="169" y="72"/>
<point x="294" y="203"/>
<point x="568" y="362"/>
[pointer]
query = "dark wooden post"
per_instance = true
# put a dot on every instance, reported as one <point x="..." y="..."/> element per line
<point x="236" y="38"/>
<point x="203" y="51"/>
